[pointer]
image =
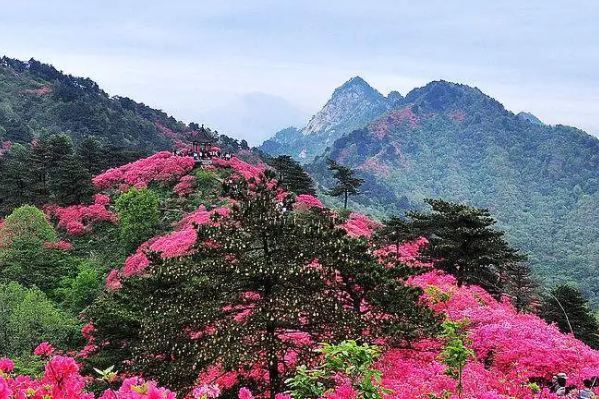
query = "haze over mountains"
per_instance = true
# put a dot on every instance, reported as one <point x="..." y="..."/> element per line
<point x="452" y="141"/>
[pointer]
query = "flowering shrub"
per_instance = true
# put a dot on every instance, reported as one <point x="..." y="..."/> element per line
<point x="160" y="167"/>
<point x="308" y="200"/>
<point x="243" y="168"/>
<point x="44" y="349"/>
<point x="79" y="219"/>
<point x="62" y="380"/>
<point x="360" y="225"/>
<point x="185" y="186"/>
<point x="61" y="245"/>
<point x="508" y="348"/>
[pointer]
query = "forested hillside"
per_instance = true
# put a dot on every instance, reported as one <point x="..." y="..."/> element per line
<point x="455" y="143"/>
<point x="57" y="131"/>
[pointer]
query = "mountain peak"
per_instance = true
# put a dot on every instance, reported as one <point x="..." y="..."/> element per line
<point x="441" y="95"/>
<point x="350" y="106"/>
<point x="356" y="85"/>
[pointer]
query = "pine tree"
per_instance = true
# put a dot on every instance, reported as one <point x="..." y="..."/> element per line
<point x="90" y="153"/>
<point x="347" y="184"/>
<point x="258" y="279"/>
<point x="521" y="286"/>
<point x="70" y="182"/>
<point x="463" y="243"/>
<point x="566" y="307"/>
<point x="17" y="185"/>
<point x="292" y="175"/>
<point x="395" y="232"/>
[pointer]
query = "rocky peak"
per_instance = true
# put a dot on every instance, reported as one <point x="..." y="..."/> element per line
<point x="354" y="100"/>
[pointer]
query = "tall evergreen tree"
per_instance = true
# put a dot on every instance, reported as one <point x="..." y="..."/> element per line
<point x="463" y="243"/>
<point x="70" y="182"/>
<point x="347" y="184"/>
<point x="395" y="232"/>
<point x="521" y="286"/>
<point x="566" y="307"/>
<point x="90" y="153"/>
<point x="292" y="175"/>
<point x="17" y="185"/>
<point x="261" y="283"/>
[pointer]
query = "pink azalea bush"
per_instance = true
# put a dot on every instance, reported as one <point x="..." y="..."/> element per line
<point x="243" y="168"/>
<point x="308" y="200"/>
<point x="185" y="186"/>
<point x="80" y="219"/>
<point x="160" y="167"/>
<point x="359" y="225"/>
<point x="62" y="380"/>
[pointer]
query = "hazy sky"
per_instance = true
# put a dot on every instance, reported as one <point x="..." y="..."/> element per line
<point x="195" y="59"/>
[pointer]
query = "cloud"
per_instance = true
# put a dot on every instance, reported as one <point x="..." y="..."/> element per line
<point x="186" y="56"/>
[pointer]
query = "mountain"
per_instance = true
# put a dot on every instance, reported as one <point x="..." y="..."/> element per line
<point x="37" y="100"/>
<point x="452" y="141"/>
<point x="351" y="106"/>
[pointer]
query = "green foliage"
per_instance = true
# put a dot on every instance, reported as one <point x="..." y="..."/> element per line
<point x="28" y="317"/>
<point x="292" y="175"/>
<point x="77" y="292"/>
<point x="347" y="359"/>
<point x="138" y="216"/>
<point x="24" y="258"/>
<point x="346" y="185"/>
<point x="455" y="352"/>
<point x="26" y="224"/>
<point x="463" y="243"/>
<point x="565" y="306"/>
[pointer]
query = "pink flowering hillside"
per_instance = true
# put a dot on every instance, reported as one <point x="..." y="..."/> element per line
<point x="508" y="351"/>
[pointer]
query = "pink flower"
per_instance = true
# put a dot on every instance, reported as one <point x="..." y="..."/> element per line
<point x="135" y="264"/>
<point x="308" y="200"/>
<point x="87" y="350"/>
<point x="185" y="186"/>
<point x="245" y="393"/>
<point x="44" y="349"/>
<point x="206" y="392"/>
<point x="5" y="391"/>
<point x="6" y="365"/>
<point x="100" y="199"/>
<point x="112" y="281"/>
<point x="160" y="167"/>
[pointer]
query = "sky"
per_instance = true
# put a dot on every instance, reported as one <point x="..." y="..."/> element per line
<point x="249" y="68"/>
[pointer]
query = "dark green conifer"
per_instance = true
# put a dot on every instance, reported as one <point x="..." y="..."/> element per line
<point x="347" y="184"/>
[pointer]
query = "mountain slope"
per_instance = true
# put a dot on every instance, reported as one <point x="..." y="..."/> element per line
<point x="351" y="106"/>
<point x="453" y="142"/>
<point x="37" y="100"/>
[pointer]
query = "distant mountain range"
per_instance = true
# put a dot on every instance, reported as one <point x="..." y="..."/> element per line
<point x="452" y="141"/>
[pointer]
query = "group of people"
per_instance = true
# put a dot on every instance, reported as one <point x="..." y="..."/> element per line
<point x="560" y="388"/>
<point x="197" y="156"/>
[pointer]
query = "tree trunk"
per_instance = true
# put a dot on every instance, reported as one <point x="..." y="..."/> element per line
<point x="345" y="201"/>
<point x="273" y="365"/>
